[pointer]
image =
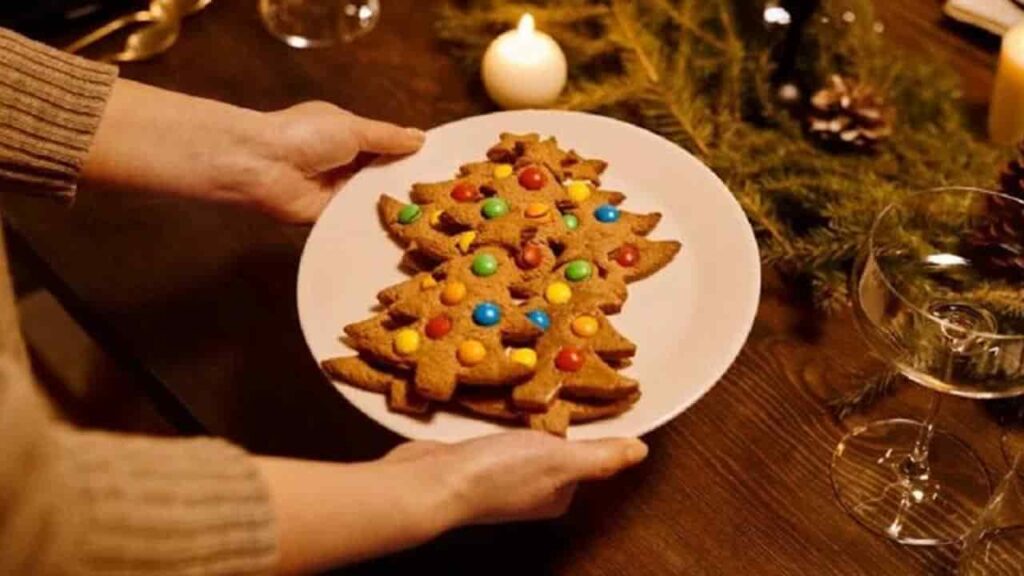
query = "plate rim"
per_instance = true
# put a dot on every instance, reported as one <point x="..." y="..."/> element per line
<point x="736" y="342"/>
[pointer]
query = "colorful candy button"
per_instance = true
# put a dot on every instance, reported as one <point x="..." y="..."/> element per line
<point x="532" y="178"/>
<point x="485" y="265"/>
<point x="503" y="171"/>
<point x="407" y="341"/>
<point x="539" y="318"/>
<point x="428" y="282"/>
<point x="537" y="210"/>
<point x="471" y="353"/>
<point x="486" y="314"/>
<point x="578" y="270"/>
<point x="606" y="213"/>
<point x="558" y="293"/>
<point x="531" y="256"/>
<point x="435" y="217"/>
<point x="465" y="241"/>
<point x="409" y="213"/>
<point x="453" y="292"/>
<point x="571" y="221"/>
<point x="525" y="356"/>
<point x="627" y="255"/>
<point x="578" y="191"/>
<point x="438" y="327"/>
<point x="569" y="359"/>
<point x="584" y="326"/>
<point x="465" y="192"/>
<point x="494" y="208"/>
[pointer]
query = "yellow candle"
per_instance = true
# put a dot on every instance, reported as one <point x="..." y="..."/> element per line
<point x="1006" y="112"/>
<point x="524" y="68"/>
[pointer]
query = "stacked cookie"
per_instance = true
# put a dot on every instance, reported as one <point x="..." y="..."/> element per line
<point x="519" y="261"/>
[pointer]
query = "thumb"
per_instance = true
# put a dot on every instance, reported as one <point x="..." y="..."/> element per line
<point x="597" y="459"/>
<point x="384" y="138"/>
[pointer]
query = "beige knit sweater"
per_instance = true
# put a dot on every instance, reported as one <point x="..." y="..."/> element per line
<point x="77" y="502"/>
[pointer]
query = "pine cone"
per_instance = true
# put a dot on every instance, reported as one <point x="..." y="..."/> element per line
<point x="997" y="245"/>
<point x="1011" y="180"/>
<point x="849" y="115"/>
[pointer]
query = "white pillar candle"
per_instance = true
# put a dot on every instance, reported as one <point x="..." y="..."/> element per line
<point x="524" y="68"/>
<point x="1006" y="111"/>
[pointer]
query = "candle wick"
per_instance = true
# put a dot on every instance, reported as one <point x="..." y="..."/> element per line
<point x="527" y="25"/>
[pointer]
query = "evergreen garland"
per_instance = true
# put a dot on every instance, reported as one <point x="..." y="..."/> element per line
<point x="699" y="72"/>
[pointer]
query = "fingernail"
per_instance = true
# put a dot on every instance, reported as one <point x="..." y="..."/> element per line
<point x="636" y="451"/>
<point x="416" y="134"/>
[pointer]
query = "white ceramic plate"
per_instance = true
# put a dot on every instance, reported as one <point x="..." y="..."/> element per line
<point x="689" y="321"/>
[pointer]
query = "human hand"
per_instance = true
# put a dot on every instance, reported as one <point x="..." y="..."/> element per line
<point x="286" y="163"/>
<point x="315" y="144"/>
<point x="523" y="475"/>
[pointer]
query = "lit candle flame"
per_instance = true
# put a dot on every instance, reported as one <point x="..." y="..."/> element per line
<point x="526" y="25"/>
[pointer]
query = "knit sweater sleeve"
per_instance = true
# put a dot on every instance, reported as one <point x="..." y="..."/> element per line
<point x="76" y="502"/>
<point x="50" y="106"/>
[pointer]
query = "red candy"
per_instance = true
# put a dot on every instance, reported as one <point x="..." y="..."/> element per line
<point x="532" y="178"/>
<point x="438" y="327"/>
<point x="569" y="359"/>
<point x="465" y="192"/>
<point x="531" y="256"/>
<point x="627" y="255"/>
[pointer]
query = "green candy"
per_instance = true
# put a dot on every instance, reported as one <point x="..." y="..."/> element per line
<point x="485" y="265"/>
<point x="494" y="208"/>
<point x="571" y="221"/>
<point x="577" y="270"/>
<point x="409" y="213"/>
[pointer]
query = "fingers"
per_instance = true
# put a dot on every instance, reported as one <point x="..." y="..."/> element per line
<point x="385" y="138"/>
<point x="596" y="459"/>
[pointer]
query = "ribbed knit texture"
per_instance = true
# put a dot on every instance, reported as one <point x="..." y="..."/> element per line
<point x="75" y="502"/>
<point x="50" y="107"/>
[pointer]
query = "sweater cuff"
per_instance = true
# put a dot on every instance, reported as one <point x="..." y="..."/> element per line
<point x="167" y="506"/>
<point x="52" y="104"/>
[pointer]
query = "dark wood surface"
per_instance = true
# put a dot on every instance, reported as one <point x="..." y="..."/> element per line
<point x="200" y="301"/>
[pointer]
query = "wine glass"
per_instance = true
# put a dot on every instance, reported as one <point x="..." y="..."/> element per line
<point x="936" y="295"/>
<point x="995" y="546"/>
<point x="319" y="23"/>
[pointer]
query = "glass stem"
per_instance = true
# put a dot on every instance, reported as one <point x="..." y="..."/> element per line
<point x="919" y="456"/>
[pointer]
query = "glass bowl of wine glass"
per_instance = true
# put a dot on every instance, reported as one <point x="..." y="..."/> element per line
<point x="937" y="293"/>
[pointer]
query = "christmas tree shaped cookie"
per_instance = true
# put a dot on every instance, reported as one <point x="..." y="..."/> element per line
<point x="450" y="327"/>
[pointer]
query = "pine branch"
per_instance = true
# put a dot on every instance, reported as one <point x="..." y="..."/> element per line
<point x="875" y="387"/>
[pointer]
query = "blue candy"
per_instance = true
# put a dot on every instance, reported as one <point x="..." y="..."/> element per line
<point x="486" y="314"/>
<point x="606" y="213"/>
<point x="539" y="318"/>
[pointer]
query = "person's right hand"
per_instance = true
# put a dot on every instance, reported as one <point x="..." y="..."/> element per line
<point x="523" y="475"/>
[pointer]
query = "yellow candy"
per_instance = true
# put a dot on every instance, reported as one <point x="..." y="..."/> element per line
<point x="525" y="356"/>
<point x="503" y="170"/>
<point x="465" y="241"/>
<point x="578" y="191"/>
<point x="537" y="210"/>
<point x="584" y="326"/>
<point x="407" y="341"/>
<point x="453" y="292"/>
<point x="471" y="353"/>
<point x="428" y="282"/>
<point x="558" y="293"/>
<point x="435" y="218"/>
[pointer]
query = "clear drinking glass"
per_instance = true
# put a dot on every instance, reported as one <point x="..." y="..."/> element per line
<point x="935" y="295"/>
<point x="995" y="546"/>
<point x="319" y="23"/>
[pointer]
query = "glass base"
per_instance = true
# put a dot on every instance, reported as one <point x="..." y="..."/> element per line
<point x="879" y="485"/>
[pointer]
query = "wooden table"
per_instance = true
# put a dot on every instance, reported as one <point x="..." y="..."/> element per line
<point x="200" y="300"/>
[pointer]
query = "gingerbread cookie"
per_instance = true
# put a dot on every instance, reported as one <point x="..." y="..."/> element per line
<point x="450" y="326"/>
<point x="530" y="223"/>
